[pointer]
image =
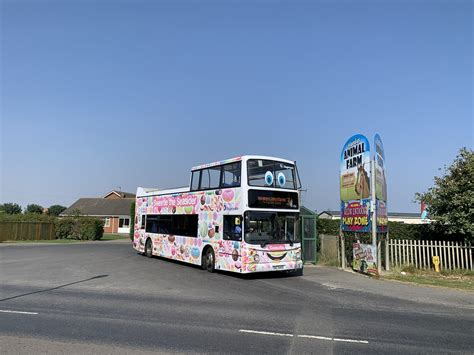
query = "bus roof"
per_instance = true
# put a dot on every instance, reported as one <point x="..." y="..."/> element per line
<point x="243" y="157"/>
<point x="149" y="191"/>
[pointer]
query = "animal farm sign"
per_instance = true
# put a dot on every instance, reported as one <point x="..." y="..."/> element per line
<point x="355" y="184"/>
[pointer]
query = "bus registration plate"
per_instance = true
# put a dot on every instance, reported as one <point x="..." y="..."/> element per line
<point x="278" y="267"/>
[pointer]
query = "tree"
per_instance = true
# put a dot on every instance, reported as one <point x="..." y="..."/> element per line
<point x="11" y="208"/>
<point x="450" y="201"/>
<point x="33" y="208"/>
<point x="56" y="210"/>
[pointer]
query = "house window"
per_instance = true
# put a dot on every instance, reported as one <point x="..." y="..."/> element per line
<point x="107" y="222"/>
<point x="124" y="222"/>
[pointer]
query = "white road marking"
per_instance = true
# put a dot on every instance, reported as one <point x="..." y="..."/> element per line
<point x="331" y="286"/>
<point x="314" y="337"/>
<point x="303" y="336"/>
<point x="265" y="333"/>
<point x="351" y="340"/>
<point x="16" y="312"/>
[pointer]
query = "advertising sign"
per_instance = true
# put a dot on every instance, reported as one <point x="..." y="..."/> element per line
<point x="380" y="182"/>
<point x="380" y="186"/>
<point x="355" y="216"/>
<point x="382" y="217"/>
<point x="364" y="258"/>
<point x="355" y="185"/>
<point x="355" y="169"/>
<point x="424" y="212"/>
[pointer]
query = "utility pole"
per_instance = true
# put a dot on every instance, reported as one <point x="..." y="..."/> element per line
<point x="343" y="247"/>
<point x="373" y="203"/>
<point x="373" y="206"/>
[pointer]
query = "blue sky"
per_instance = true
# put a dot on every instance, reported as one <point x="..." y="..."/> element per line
<point x="97" y="95"/>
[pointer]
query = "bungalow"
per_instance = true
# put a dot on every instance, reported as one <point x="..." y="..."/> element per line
<point x="113" y="208"/>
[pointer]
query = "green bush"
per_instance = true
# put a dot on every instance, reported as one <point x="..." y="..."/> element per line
<point x="327" y="226"/>
<point x="79" y="228"/>
<point x="27" y="217"/>
<point x="34" y="208"/>
<point x="10" y="208"/>
<point x="56" y="210"/>
<point x="64" y="227"/>
<point x="397" y="230"/>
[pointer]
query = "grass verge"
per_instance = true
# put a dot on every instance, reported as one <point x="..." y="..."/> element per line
<point x="458" y="279"/>
<point x="52" y="241"/>
<point x="113" y="236"/>
<point x="328" y="262"/>
<point x="106" y="237"/>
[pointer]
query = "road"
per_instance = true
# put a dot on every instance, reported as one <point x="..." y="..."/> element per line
<point x="104" y="297"/>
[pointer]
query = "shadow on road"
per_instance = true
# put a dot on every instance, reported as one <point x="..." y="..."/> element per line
<point x="53" y="288"/>
<point x="251" y="276"/>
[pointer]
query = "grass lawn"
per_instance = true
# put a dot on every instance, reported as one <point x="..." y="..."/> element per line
<point x="106" y="237"/>
<point x="460" y="279"/>
<point x="113" y="236"/>
<point x="52" y="241"/>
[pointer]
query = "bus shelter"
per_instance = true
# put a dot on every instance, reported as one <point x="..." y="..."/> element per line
<point x="309" y="235"/>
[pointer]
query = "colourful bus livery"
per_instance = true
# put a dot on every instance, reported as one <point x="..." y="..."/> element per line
<point x="238" y="215"/>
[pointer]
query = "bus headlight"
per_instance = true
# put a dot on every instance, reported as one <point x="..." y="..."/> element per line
<point x="298" y="255"/>
<point x="256" y="258"/>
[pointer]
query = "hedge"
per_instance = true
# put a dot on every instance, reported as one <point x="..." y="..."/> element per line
<point x="26" y="217"/>
<point x="80" y="228"/>
<point x="77" y="227"/>
<point x="397" y="230"/>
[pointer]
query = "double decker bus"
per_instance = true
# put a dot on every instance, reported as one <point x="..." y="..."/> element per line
<point x="238" y="215"/>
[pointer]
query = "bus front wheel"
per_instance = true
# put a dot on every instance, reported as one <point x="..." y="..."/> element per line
<point x="148" y="248"/>
<point x="208" y="260"/>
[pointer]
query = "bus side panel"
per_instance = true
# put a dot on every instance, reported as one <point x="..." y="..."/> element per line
<point x="186" y="249"/>
<point x="138" y="234"/>
<point x="209" y="206"/>
<point x="229" y="256"/>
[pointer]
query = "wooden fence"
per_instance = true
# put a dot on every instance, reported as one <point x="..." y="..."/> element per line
<point x="26" y="231"/>
<point x="419" y="253"/>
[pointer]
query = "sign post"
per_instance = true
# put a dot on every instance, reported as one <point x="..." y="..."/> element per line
<point x="373" y="202"/>
<point x="363" y="193"/>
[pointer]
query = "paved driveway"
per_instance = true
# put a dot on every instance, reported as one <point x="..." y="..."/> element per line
<point x="104" y="297"/>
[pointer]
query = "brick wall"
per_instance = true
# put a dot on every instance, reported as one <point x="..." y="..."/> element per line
<point x="113" y="225"/>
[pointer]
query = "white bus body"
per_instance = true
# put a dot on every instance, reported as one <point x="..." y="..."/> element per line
<point x="239" y="215"/>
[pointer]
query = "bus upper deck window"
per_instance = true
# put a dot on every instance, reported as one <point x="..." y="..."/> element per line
<point x="195" y="180"/>
<point x="231" y="175"/>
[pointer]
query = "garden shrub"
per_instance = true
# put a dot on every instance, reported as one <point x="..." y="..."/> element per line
<point x="64" y="227"/>
<point x="327" y="226"/>
<point x="79" y="228"/>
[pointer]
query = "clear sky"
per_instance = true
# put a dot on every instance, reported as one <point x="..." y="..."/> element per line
<point x="101" y="94"/>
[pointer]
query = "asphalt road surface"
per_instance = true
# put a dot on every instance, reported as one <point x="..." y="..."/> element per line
<point x="104" y="297"/>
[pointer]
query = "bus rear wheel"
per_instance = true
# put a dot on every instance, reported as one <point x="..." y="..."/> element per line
<point x="148" y="248"/>
<point x="208" y="261"/>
